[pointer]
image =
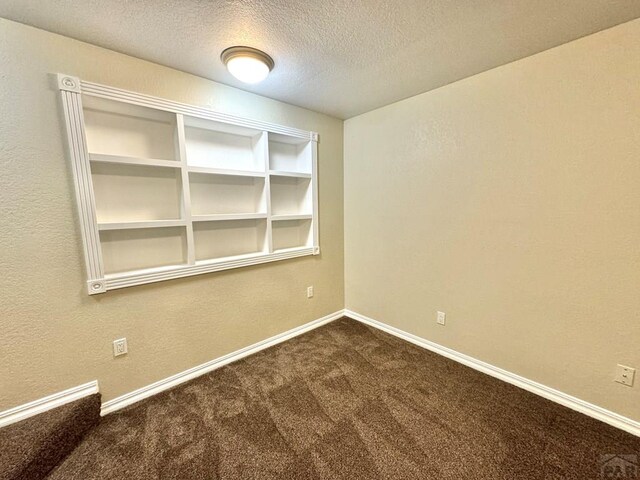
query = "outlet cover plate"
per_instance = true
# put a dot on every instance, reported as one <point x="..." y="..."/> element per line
<point x="120" y="347"/>
<point x="625" y="375"/>
<point x="441" y="318"/>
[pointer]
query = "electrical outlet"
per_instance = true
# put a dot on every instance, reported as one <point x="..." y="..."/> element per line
<point x="441" y="318"/>
<point x="120" y="347"/>
<point x="310" y="291"/>
<point x="625" y="375"/>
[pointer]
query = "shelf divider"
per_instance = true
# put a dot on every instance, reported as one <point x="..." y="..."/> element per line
<point x="267" y="189"/>
<point x="181" y="153"/>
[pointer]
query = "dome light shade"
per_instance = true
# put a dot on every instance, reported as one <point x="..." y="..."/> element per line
<point x="247" y="64"/>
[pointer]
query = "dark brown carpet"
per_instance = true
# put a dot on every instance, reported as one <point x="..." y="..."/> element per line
<point x="345" y="402"/>
<point x="31" y="448"/>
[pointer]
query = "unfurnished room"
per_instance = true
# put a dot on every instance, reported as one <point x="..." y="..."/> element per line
<point x="319" y="240"/>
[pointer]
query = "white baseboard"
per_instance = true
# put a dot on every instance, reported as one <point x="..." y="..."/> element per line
<point x="58" y="399"/>
<point x="170" y="382"/>
<point x="30" y="409"/>
<point x="549" y="393"/>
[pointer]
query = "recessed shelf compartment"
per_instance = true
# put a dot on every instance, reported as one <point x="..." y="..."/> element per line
<point x="226" y="194"/>
<point x="218" y="145"/>
<point x="126" y="130"/>
<point x="290" y="195"/>
<point x="130" y="193"/>
<point x="136" y="249"/>
<point x="289" y="154"/>
<point x="291" y="234"/>
<point x="220" y="239"/>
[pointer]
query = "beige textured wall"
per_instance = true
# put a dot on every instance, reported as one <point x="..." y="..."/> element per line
<point x="52" y="335"/>
<point x="511" y="201"/>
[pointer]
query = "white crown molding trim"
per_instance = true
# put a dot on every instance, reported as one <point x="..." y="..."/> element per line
<point x="594" y="411"/>
<point x="170" y="382"/>
<point x="50" y="402"/>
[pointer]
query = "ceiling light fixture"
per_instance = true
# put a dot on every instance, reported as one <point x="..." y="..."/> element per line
<point x="249" y="65"/>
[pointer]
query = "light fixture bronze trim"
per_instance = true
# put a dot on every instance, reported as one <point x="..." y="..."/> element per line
<point x="242" y="51"/>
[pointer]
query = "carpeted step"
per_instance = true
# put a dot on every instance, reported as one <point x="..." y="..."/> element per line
<point x="31" y="448"/>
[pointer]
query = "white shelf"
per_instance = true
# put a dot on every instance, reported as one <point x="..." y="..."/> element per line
<point x="288" y="251"/>
<point x="223" y="171"/>
<point x="228" y="216"/>
<point x="168" y="272"/>
<point x="280" y="173"/>
<point x="233" y="258"/>
<point x="146" y="224"/>
<point x="171" y="190"/>
<point x="276" y="218"/>
<point x="116" y="278"/>
<point x="152" y="162"/>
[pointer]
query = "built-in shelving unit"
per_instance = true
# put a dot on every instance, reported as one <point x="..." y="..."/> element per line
<point x="167" y="190"/>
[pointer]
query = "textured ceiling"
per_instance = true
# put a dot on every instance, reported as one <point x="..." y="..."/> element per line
<point x="340" y="57"/>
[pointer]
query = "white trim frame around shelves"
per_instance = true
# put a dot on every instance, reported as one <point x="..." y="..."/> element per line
<point x="315" y="239"/>
<point x="160" y="274"/>
<point x="72" y="89"/>
<point x="85" y="199"/>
